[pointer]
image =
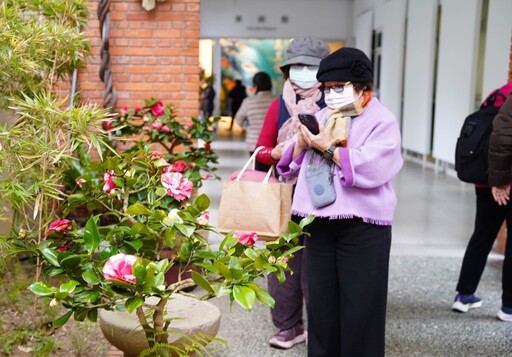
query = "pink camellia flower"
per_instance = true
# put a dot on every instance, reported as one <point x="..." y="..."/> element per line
<point x="165" y="129"/>
<point x="176" y="185"/>
<point x="157" y="109"/>
<point x="204" y="218"/>
<point x="155" y="125"/>
<point x="137" y="110"/>
<point x="120" y="267"/>
<point x="179" y="166"/>
<point x="59" y="225"/>
<point x="123" y="110"/>
<point x="156" y="155"/>
<point x="80" y="181"/>
<point x="109" y="187"/>
<point x="167" y="169"/>
<point x="192" y="164"/>
<point x="248" y="239"/>
<point x="145" y="118"/>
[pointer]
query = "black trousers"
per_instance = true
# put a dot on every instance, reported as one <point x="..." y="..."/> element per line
<point x="290" y="295"/>
<point x="488" y="220"/>
<point x="348" y="265"/>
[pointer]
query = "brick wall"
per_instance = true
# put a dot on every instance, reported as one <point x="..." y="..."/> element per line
<point x="153" y="54"/>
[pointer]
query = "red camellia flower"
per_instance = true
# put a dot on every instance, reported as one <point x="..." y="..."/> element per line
<point x="248" y="239"/>
<point x="107" y="125"/>
<point x="59" y="225"/>
<point x="192" y="164"/>
<point x="137" y="110"/>
<point x="165" y="129"/>
<point x="157" y="109"/>
<point x="109" y="187"/>
<point x="179" y="166"/>
<point x="123" y="110"/>
<point x="208" y="146"/>
<point x="120" y="267"/>
<point x="176" y="185"/>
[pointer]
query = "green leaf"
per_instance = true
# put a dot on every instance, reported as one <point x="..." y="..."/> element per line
<point x="133" y="303"/>
<point x="88" y="296"/>
<point x="305" y="221"/>
<point x="92" y="315"/>
<point x="91" y="235"/>
<point x="251" y="253"/>
<point x="136" y="244"/>
<point x="139" y="270"/>
<point x="262" y="295"/>
<point x="293" y="250"/>
<point x="91" y="277"/>
<point x="244" y="296"/>
<point x="62" y="320"/>
<point x="138" y="228"/>
<point x="51" y="256"/>
<point x="41" y="289"/>
<point x="223" y="270"/>
<point x="138" y="210"/>
<point x="202" y="203"/>
<point x="186" y="230"/>
<point x="71" y="261"/>
<point x="159" y="279"/>
<point x="68" y="287"/>
<point x="201" y="281"/>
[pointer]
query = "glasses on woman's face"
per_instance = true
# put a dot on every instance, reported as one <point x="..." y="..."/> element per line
<point x="336" y="88"/>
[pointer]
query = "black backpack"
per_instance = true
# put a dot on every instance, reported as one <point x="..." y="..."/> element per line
<point x="473" y="143"/>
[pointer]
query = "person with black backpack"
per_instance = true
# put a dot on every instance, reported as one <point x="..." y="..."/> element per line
<point x="472" y="166"/>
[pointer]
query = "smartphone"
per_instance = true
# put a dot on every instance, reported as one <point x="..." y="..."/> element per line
<point x="310" y="122"/>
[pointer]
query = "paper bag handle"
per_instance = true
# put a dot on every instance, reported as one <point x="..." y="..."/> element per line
<point x="252" y="160"/>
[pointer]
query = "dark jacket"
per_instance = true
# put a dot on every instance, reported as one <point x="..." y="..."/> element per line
<point x="500" y="146"/>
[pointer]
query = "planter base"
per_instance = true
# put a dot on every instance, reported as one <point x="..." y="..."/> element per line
<point x="193" y="317"/>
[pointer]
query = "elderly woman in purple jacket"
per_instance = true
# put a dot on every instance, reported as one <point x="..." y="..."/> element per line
<point x="344" y="178"/>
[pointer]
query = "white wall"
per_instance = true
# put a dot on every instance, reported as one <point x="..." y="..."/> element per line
<point x="326" y="19"/>
<point x="393" y="29"/>
<point x="456" y="74"/>
<point x="419" y="76"/>
<point x="497" y="45"/>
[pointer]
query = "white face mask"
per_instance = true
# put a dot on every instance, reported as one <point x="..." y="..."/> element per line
<point x="336" y="100"/>
<point x="303" y="76"/>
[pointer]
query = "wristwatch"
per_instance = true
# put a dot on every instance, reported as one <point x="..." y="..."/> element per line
<point x="329" y="153"/>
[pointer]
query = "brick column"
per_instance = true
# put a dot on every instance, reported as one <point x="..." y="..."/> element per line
<point x="153" y="54"/>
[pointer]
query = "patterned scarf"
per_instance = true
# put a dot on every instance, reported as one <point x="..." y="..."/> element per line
<point x="339" y="120"/>
<point x="306" y="104"/>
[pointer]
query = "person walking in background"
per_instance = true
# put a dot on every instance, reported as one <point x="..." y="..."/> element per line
<point x="301" y="94"/>
<point x="489" y="218"/>
<point x="252" y="112"/>
<point x="344" y="178"/>
<point x="493" y="206"/>
<point x="237" y="96"/>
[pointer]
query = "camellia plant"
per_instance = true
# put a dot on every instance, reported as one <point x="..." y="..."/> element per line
<point x="133" y="204"/>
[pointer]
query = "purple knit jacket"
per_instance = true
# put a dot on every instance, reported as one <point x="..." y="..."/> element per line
<point x="363" y="183"/>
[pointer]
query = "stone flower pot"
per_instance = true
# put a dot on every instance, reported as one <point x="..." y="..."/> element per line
<point x="193" y="317"/>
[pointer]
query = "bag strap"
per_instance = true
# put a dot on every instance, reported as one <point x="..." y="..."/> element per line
<point x="252" y="160"/>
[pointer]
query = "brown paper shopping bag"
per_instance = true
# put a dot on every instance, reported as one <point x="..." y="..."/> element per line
<point x="249" y="206"/>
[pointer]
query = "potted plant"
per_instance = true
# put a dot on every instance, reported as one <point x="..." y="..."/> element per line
<point x="138" y="203"/>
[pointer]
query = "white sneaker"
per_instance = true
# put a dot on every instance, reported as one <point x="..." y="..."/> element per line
<point x="503" y="316"/>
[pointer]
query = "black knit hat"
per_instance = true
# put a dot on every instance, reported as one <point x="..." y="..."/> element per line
<point x="345" y="65"/>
